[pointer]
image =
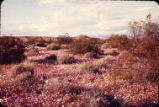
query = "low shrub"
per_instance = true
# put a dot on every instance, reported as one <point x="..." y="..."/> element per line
<point x="122" y="42"/>
<point x="53" y="85"/>
<point x="38" y="41"/>
<point x="41" y="44"/>
<point x="130" y="68"/>
<point x="102" y="62"/>
<point x="66" y="59"/>
<point x="90" y="55"/>
<point x="105" y="45"/>
<point x="11" y="50"/>
<point x="88" y="68"/>
<point x="53" y="46"/>
<point x="51" y="58"/>
<point x="21" y="72"/>
<point x="97" y="98"/>
<point x="83" y="46"/>
<point x="64" y="40"/>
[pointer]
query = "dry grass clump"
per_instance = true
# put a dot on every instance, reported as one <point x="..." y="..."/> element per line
<point x="96" y="67"/>
<point x="53" y="46"/>
<point x="102" y="62"/>
<point x="53" y="85"/>
<point x="105" y="45"/>
<point x="83" y="46"/>
<point x="66" y="59"/>
<point x="23" y="71"/>
<point x="88" y="68"/>
<point x="96" y="98"/>
<point x="11" y="50"/>
<point x="90" y="55"/>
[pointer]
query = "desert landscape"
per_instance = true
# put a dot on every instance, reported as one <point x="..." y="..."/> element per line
<point x="81" y="71"/>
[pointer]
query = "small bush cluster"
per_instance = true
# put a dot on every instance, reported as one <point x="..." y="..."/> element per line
<point x="21" y="72"/>
<point x="88" y="68"/>
<point x="66" y="59"/>
<point x="53" y="85"/>
<point x="64" y="40"/>
<point x="11" y="50"/>
<point x="95" y="67"/>
<point x="83" y="46"/>
<point x="122" y="42"/>
<point x="53" y="46"/>
<point x="38" y="41"/>
<point x="128" y="69"/>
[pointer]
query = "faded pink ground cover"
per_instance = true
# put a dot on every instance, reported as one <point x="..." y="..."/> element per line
<point x="128" y="94"/>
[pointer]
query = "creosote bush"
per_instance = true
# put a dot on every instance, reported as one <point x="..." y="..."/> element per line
<point x="53" y="46"/>
<point x="145" y="35"/>
<point x="122" y="42"/>
<point x="11" y="50"/>
<point x="83" y="46"/>
<point x="66" y="59"/>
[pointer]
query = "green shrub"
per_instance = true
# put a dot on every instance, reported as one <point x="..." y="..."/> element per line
<point x="66" y="59"/>
<point x="83" y="46"/>
<point x="53" y="46"/>
<point x="11" y="50"/>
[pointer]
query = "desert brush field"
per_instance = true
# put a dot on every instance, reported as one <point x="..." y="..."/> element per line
<point x="79" y="71"/>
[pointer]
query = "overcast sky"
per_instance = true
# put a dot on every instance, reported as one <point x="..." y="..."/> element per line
<point x="95" y="18"/>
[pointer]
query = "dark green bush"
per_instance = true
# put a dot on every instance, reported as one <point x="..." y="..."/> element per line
<point x="11" y="50"/>
<point x="83" y="46"/>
